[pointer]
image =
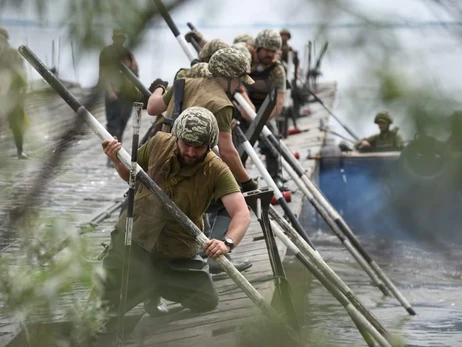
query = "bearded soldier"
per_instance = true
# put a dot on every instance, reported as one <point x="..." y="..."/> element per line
<point x="164" y="259"/>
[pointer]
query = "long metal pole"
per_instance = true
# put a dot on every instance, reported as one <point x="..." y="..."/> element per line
<point x="308" y="248"/>
<point x="137" y="106"/>
<point x="344" y="228"/>
<point x="363" y="325"/>
<point x="278" y="145"/>
<point x="171" y="208"/>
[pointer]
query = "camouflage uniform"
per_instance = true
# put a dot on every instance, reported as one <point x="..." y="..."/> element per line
<point x="164" y="257"/>
<point x="385" y="139"/>
<point x="13" y="84"/>
<point x="266" y="77"/>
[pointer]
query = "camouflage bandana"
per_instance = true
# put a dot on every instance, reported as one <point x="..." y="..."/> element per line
<point x="231" y="63"/>
<point x="211" y="47"/>
<point x="199" y="70"/>
<point x="245" y="38"/>
<point x="196" y="126"/>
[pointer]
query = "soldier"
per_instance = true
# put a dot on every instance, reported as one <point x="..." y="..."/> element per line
<point x="164" y="261"/>
<point x="268" y="73"/>
<point x="386" y="138"/>
<point x="117" y="90"/>
<point x="228" y="68"/>
<point x="13" y="85"/>
<point x="285" y="47"/>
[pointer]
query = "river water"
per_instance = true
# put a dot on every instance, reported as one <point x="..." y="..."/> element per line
<point x="428" y="275"/>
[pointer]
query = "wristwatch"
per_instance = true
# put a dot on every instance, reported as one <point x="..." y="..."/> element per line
<point x="229" y="242"/>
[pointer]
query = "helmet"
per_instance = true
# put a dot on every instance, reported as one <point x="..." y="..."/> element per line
<point x="286" y="32"/>
<point x="4" y="33"/>
<point x="119" y="33"/>
<point x="196" y="126"/>
<point x="246" y="38"/>
<point x="383" y="116"/>
<point x="268" y="39"/>
<point x="229" y="62"/>
<point x="211" y="47"/>
<point x="199" y="70"/>
<point x="242" y="47"/>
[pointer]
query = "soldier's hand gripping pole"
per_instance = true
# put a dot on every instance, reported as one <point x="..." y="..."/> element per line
<point x="195" y="44"/>
<point x="137" y="106"/>
<point x="171" y="208"/>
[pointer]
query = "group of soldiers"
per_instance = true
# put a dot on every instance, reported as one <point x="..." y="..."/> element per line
<point x="178" y="156"/>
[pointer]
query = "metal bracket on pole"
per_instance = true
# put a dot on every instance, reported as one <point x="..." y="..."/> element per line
<point x="259" y="201"/>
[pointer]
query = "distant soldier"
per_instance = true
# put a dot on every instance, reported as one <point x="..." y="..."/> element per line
<point x="13" y="85"/>
<point x="117" y="89"/>
<point x="285" y="47"/>
<point x="386" y="138"/>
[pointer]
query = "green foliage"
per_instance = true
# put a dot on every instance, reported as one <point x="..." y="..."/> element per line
<point x="36" y="292"/>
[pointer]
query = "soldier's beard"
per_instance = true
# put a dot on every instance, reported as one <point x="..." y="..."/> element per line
<point x="186" y="160"/>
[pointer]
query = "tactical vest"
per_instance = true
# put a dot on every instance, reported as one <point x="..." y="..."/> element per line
<point x="260" y="89"/>
<point x="204" y="92"/>
<point x="190" y="188"/>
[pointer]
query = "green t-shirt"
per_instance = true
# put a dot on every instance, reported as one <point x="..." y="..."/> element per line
<point x="224" y="116"/>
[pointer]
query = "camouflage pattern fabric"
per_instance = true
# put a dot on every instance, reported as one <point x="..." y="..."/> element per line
<point x="196" y="126"/>
<point x="387" y="139"/>
<point x="268" y="39"/>
<point x="246" y="38"/>
<point x="242" y="47"/>
<point x="383" y="116"/>
<point x="211" y="47"/>
<point x="229" y="62"/>
<point x="199" y="70"/>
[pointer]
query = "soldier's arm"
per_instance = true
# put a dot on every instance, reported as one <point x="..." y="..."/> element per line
<point x="278" y="76"/>
<point x="157" y="102"/>
<point x="240" y="217"/>
<point x="230" y="156"/>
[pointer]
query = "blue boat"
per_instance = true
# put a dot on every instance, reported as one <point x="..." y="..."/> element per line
<point x="411" y="194"/>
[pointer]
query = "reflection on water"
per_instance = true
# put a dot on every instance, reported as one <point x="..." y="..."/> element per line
<point x="428" y="277"/>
